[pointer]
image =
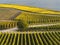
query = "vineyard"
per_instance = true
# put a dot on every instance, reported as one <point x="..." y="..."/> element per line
<point x="32" y="26"/>
<point x="34" y="18"/>
<point x="36" y="38"/>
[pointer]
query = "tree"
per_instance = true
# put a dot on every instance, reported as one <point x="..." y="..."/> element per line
<point x="21" y="25"/>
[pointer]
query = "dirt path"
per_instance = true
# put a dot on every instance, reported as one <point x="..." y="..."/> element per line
<point x="9" y="30"/>
<point x="43" y="25"/>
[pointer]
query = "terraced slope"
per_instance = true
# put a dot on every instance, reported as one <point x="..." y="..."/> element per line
<point x="30" y="38"/>
<point x="34" y="18"/>
<point x="31" y="16"/>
